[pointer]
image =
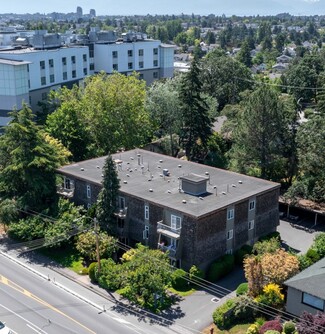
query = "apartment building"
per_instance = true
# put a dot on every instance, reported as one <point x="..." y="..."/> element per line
<point x="195" y="212"/>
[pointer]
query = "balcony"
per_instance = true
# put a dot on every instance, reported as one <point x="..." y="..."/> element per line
<point x="67" y="193"/>
<point x="168" y="230"/>
<point x="121" y="214"/>
<point x="170" y="249"/>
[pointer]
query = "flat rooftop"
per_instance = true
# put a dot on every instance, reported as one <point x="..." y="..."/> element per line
<point x="141" y="175"/>
<point x="14" y="62"/>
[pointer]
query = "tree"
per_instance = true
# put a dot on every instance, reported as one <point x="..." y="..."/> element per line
<point x="196" y="122"/>
<point x="224" y="78"/>
<point x="259" y="138"/>
<point x="86" y="245"/>
<point x="66" y="125"/>
<point x="28" y="163"/>
<point x="244" y="55"/>
<point x="267" y="246"/>
<point x="163" y="104"/>
<point x="108" y="196"/>
<point x="8" y="212"/>
<point x="254" y="275"/>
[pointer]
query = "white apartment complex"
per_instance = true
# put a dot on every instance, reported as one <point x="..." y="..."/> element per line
<point x="27" y="74"/>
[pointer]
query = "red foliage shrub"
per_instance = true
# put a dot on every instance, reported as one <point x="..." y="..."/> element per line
<point x="271" y="325"/>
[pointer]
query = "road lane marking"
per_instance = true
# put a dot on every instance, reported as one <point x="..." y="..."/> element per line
<point x="18" y="288"/>
<point x="40" y="330"/>
<point x="37" y="330"/>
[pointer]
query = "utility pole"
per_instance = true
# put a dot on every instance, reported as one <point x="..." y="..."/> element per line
<point x="97" y="244"/>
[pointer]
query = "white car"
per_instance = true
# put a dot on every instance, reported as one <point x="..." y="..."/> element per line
<point x="4" y="329"/>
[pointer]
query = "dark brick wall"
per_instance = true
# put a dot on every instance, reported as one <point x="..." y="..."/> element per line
<point x="267" y="213"/>
<point x="80" y="192"/>
<point x="241" y="224"/>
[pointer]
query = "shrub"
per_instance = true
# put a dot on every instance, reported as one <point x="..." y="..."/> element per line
<point x="252" y="329"/>
<point x="218" y="315"/>
<point x="312" y="255"/>
<point x="304" y="261"/>
<point x="221" y="267"/>
<point x="289" y="327"/>
<point x="195" y="274"/>
<point x="271" y="325"/>
<point x="179" y="281"/>
<point x="270" y="236"/>
<point x="244" y="310"/>
<point x="92" y="271"/>
<point x="242" y="289"/>
<point x="241" y="253"/>
<point x="319" y="244"/>
<point x="271" y="296"/>
<point x="84" y="271"/>
<point x="259" y="321"/>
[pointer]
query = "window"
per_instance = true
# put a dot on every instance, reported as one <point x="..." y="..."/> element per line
<point x="74" y="73"/>
<point x="230" y="214"/>
<point x="42" y="65"/>
<point x="67" y="183"/>
<point x="84" y="57"/>
<point x="155" y="51"/>
<point x="229" y="251"/>
<point x="146" y="232"/>
<point x="88" y="191"/>
<point x="146" y="212"/>
<point x="27" y="67"/>
<point x="251" y="224"/>
<point x="28" y="83"/>
<point x="230" y="234"/>
<point x="155" y="75"/>
<point x="65" y="76"/>
<point x="175" y="222"/>
<point x="85" y="71"/>
<point x="115" y="67"/>
<point x="155" y="63"/>
<point x="52" y="79"/>
<point x="44" y="96"/>
<point x="43" y="81"/>
<point x="141" y="52"/>
<point x="130" y="53"/>
<point x="114" y="54"/>
<point x="130" y="66"/>
<point x="64" y="61"/>
<point x="140" y="64"/>
<point x="252" y="205"/>
<point x="121" y="202"/>
<point x="92" y="66"/>
<point x="51" y="63"/>
<point x="73" y="59"/>
<point x="312" y="301"/>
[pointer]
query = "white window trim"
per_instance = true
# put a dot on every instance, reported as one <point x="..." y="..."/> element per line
<point x="229" y="251"/>
<point x="173" y="222"/>
<point x="230" y="234"/>
<point x="230" y="214"/>
<point x="251" y="224"/>
<point x="145" y="233"/>
<point x="252" y="205"/>
<point x="88" y="191"/>
<point x="146" y="212"/>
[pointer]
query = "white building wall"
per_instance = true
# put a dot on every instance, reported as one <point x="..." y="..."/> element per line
<point x="104" y="56"/>
<point x="54" y="72"/>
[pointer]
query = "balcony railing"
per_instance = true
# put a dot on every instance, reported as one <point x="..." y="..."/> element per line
<point x="170" y="249"/>
<point x="65" y="192"/>
<point x="168" y="230"/>
<point x="121" y="213"/>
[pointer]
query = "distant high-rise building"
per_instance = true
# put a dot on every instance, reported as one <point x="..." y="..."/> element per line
<point x="79" y="12"/>
<point x="92" y="13"/>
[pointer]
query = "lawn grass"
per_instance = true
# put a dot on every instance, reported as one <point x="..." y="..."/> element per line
<point x="238" y="329"/>
<point x="67" y="257"/>
<point x="182" y="293"/>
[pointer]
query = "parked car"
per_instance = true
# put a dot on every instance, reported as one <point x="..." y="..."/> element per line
<point x="4" y="329"/>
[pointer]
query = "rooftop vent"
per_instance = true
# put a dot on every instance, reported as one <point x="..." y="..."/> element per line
<point x="150" y="190"/>
<point x="125" y="182"/>
<point x="184" y="201"/>
<point x="160" y="161"/>
<point x="166" y="172"/>
<point x="179" y="166"/>
<point x="97" y="167"/>
<point x="233" y="185"/>
<point x="224" y="193"/>
<point x="82" y="169"/>
<point x="240" y="182"/>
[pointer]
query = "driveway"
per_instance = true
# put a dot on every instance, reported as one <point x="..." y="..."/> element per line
<point x="294" y="236"/>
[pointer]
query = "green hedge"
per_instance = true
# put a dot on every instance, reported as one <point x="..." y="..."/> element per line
<point x="242" y="289"/>
<point x="219" y="318"/>
<point x="179" y="281"/>
<point x="221" y="267"/>
<point x="241" y="253"/>
<point x="92" y="271"/>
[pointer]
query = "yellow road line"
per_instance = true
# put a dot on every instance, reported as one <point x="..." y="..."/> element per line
<point x="18" y="288"/>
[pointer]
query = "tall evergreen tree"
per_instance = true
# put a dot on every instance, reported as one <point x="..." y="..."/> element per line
<point x="244" y="55"/>
<point x="28" y="163"/>
<point x="196" y="121"/>
<point x="108" y="196"/>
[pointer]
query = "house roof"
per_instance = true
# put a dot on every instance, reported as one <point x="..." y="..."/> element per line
<point x="141" y="175"/>
<point x="310" y="280"/>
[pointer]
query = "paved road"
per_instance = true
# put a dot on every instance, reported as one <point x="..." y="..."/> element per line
<point x="28" y="300"/>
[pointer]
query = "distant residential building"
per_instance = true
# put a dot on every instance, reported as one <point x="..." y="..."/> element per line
<point x="195" y="212"/>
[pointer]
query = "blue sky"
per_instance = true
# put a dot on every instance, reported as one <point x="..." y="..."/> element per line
<point x="203" y="7"/>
